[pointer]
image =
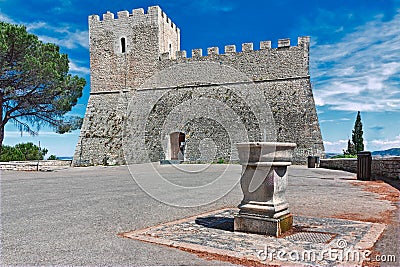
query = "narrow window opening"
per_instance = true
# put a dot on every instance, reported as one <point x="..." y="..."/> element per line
<point x="170" y="50"/>
<point x="123" y="45"/>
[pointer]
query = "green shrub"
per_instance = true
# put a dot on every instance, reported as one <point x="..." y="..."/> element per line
<point x="221" y="161"/>
<point x="52" y="157"/>
<point x="346" y="156"/>
<point x="9" y="153"/>
<point x="22" y="152"/>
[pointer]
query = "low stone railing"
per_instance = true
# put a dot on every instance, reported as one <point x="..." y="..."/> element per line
<point x="33" y="165"/>
<point x="349" y="165"/>
<point x="381" y="167"/>
<point x="386" y="167"/>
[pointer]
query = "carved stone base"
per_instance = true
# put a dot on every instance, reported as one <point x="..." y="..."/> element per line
<point x="263" y="225"/>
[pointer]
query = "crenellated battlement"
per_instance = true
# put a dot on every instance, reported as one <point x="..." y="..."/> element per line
<point x="303" y="42"/>
<point x="138" y="15"/>
<point x="141" y="79"/>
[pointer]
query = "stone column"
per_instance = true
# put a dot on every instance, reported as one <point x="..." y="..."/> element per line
<point x="264" y="209"/>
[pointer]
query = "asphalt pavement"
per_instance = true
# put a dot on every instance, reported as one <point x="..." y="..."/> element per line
<point x="73" y="216"/>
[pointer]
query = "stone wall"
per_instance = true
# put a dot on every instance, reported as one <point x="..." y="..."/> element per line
<point x="349" y="165"/>
<point x="381" y="167"/>
<point x="386" y="167"/>
<point x="44" y="165"/>
<point x="101" y="134"/>
<point x="267" y="63"/>
<point x="140" y="96"/>
<point x="147" y="36"/>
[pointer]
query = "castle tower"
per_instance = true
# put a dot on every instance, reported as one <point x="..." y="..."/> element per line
<point x="124" y="51"/>
<point x="169" y="116"/>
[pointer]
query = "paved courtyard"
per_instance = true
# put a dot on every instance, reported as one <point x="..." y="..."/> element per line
<point x="75" y="216"/>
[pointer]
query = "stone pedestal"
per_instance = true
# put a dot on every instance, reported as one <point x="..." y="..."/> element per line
<point x="264" y="209"/>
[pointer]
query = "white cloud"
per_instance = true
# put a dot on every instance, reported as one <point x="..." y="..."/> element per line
<point x="35" y="25"/>
<point x="359" y="72"/>
<point x="371" y="145"/>
<point x="5" y="18"/>
<point x="384" y="144"/>
<point x="14" y="134"/>
<point x="78" y="69"/>
<point x="61" y="35"/>
<point x="335" y="146"/>
<point x="334" y="120"/>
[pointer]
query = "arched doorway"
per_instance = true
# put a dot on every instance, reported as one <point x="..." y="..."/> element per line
<point x="177" y="143"/>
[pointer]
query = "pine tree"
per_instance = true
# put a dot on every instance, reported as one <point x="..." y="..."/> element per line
<point x="23" y="151"/>
<point x="35" y="86"/>
<point x="357" y="136"/>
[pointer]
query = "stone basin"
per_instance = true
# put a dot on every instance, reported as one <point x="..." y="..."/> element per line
<point x="264" y="209"/>
<point x="254" y="152"/>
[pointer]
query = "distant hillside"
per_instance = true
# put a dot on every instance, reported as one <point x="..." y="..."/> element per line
<point x="330" y="155"/>
<point x="393" y="152"/>
<point x="65" y="158"/>
<point x="387" y="153"/>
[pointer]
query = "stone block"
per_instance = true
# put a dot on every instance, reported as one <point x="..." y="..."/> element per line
<point x="108" y="16"/>
<point x="246" y="47"/>
<point x="123" y="14"/>
<point x="230" y="49"/>
<point x="212" y="51"/>
<point x="181" y="54"/>
<point x="283" y="43"/>
<point x="265" y="45"/>
<point x="263" y="225"/>
<point x="197" y="53"/>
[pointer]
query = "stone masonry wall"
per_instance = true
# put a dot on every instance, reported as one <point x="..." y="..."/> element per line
<point x="140" y="96"/>
<point x="349" y="164"/>
<point x="219" y="114"/>
<point x="381" y="167"/>
<point x="44" y="165"/>
<point x="268" y="63"/>
<point x="386" y="167"/>
<point x="100" y="140"/>
<point x="147" y="37"/>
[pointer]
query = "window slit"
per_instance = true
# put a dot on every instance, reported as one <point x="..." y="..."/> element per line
<point x="123" y="45"/>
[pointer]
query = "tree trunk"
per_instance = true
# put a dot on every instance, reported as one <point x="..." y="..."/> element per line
<point x="1" y="136"/>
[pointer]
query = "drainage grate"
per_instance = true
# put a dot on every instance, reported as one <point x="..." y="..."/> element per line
<point x="311" y="237"/>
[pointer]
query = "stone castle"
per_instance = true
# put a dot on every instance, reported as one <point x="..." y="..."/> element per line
<point x="150" y="101"/>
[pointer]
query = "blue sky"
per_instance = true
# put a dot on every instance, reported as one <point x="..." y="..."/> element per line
<point x="355" y="53"/>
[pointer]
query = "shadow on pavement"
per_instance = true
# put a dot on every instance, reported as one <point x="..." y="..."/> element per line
<point x="221" y="223"/>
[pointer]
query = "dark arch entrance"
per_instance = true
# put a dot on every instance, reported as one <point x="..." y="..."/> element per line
<point x="177" y="143"/>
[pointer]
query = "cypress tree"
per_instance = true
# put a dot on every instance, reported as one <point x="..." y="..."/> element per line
<point x="357" y="136"/>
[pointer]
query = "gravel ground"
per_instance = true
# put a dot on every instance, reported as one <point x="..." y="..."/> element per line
<point x="72" y="216"/>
